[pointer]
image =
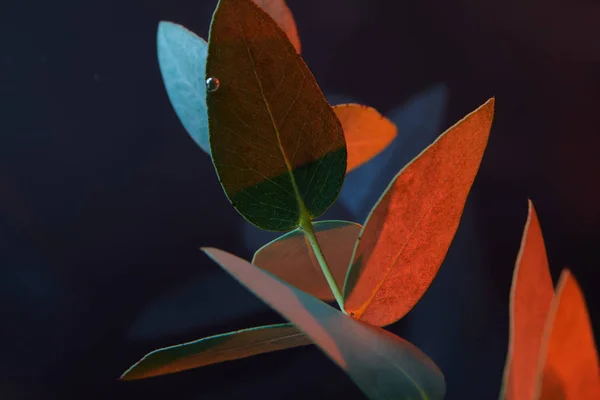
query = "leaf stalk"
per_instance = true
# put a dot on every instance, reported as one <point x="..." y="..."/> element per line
<point x="307" y="228"/>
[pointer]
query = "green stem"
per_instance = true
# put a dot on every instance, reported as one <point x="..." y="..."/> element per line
<point x="309" y="232"/>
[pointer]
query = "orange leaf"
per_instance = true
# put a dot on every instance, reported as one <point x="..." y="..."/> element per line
<point x="281" y="13"/>
<point x="408" y="233"/>
<point x="367" y="132"/>
<point x="217" y="349"/>
<point x="530" y="298"/>
<point x="569" y="368"/>
<point x="291" y="258"/>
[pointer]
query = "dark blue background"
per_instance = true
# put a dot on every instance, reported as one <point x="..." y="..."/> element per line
<point x="104" y="199"/>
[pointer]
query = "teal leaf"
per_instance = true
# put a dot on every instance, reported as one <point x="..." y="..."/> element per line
<point x="383" y="366"/>
<point x="277" y="145"/>
<point x="217" y="349"/>
<point x="182" y="62"/>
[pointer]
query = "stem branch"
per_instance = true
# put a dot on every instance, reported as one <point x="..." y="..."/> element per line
<point x="309" y="232"/>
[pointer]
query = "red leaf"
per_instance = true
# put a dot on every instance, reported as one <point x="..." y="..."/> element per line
<point x="530" y="298"/>
<point x="407" y="235"/>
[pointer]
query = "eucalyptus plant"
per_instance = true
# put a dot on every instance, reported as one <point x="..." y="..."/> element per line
<point x="281" y="153"/>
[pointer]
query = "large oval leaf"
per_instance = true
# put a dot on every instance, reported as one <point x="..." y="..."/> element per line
<point x="276" y="144"/>
<point x="367" y="132"/>
<point x="281" y="13"/>
<point x="182" y="62"/>
<point x="216" y="349"/>
<point x="382" y="365"/>
<point x="290" y="257"/>
<point x="530" y="298"/>
<point x="569" y="364"/>
<point x="408" y="232"/>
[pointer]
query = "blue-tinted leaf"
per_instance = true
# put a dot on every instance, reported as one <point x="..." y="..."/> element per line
<point x="182" y="62"/>
<point x="383" y="366"/>
<point x="419" y="121"/>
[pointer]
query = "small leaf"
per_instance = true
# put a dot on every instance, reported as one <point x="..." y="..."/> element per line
<point x="277" y="146"/>
<point x="530" y="298"/>
<point x="182" y="62"/>
<point x="407" y="235"/>
<point x="367" y="132"/>
<point x="217" y="349"/>
<point x="569" y="367"/>
<point x="281" y="13"/>
<point x="291" y="258"/>
<point x="381" y="364"/>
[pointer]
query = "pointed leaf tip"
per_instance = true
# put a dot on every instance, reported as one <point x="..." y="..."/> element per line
<point x="216" y="349"/>
<point x="530" y="298"/>
<point x="407" y="234"/>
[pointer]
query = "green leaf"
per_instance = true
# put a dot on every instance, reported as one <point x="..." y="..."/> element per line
<point x="383" y="366"/>
<point x="216" y="349"/>
<point x="290" y="257"/>
<point x="277" y="145"/>
<point x="182" y="63"/>
<point x="420" y="120"/>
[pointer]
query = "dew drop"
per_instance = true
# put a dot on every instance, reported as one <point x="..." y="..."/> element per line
<point x="212" y="84"/>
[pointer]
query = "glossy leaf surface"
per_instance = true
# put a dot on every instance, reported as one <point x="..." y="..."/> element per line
<point x="367" y="132"/>
<point x="530" y="298"/>
<point x="570" y="368"/>
<point x="291" y="258"/>
<point x="281" y="13"/>
<point x="182" y="62"/>
<point x="277" y="146"/>
<point x="381" y="364"/>
<point x="408" y="232"/>
<point x="216" y="349"/>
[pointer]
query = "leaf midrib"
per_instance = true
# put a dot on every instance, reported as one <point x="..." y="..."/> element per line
<point x="304" y="214"/>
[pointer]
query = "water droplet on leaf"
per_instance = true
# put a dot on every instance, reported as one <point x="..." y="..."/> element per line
<point x="212" y="84"/>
